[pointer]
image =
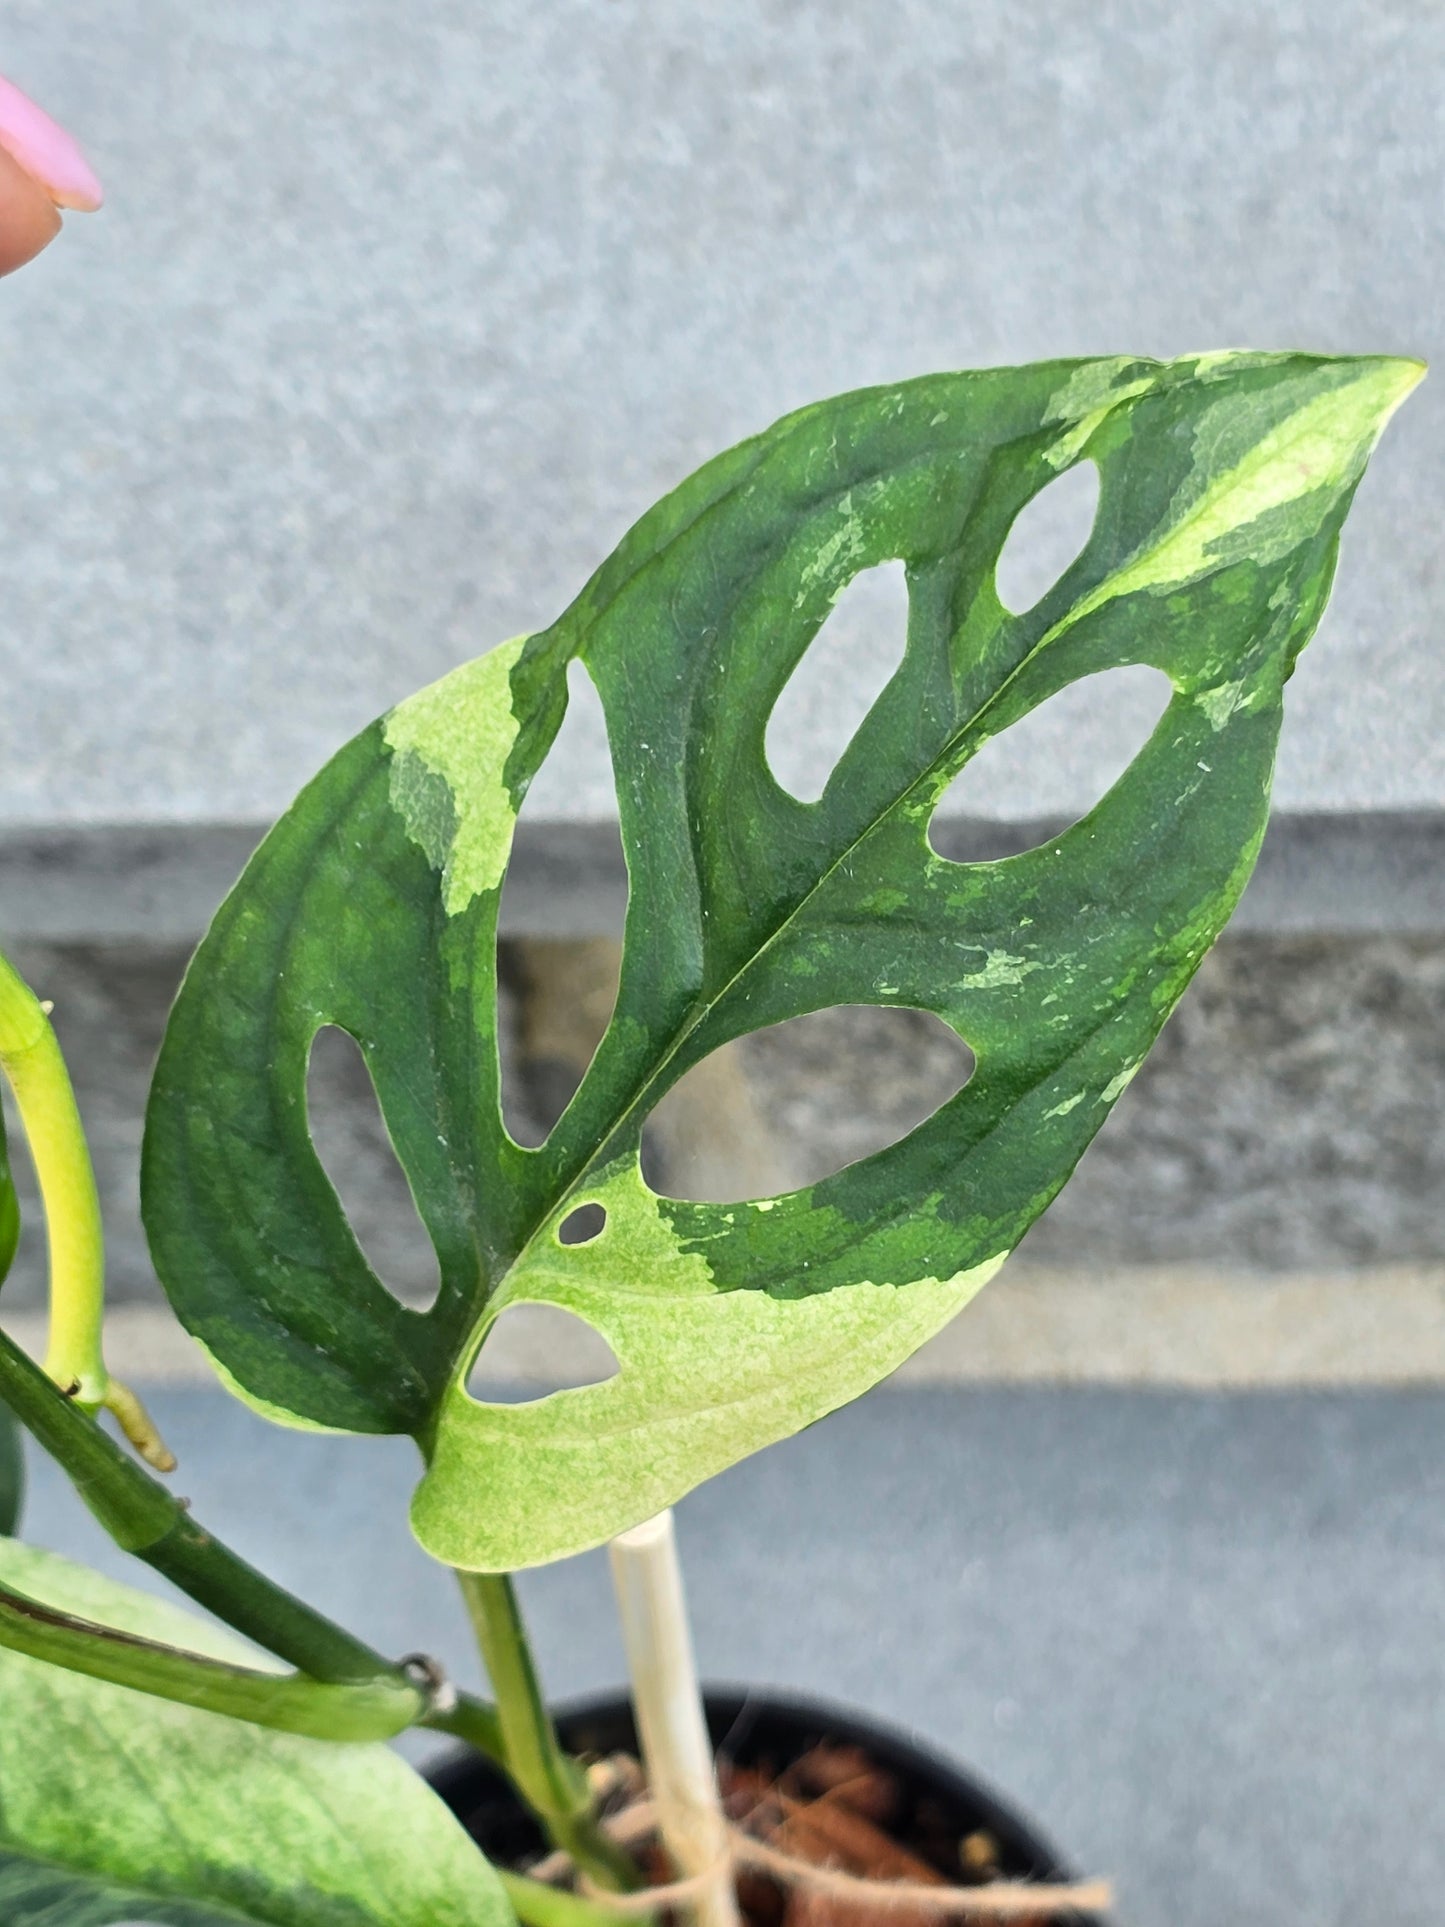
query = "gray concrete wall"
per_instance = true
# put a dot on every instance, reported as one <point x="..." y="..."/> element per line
<point x="1288" y="1122"/>
<point x="398" y="317"/>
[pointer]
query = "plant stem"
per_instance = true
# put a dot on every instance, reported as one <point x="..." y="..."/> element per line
<point x="539" y="1905"/>
<point x="145" y="1519"/>
<point x="473" y="1722"/>
<point x="550" y="1781"/>
<point x="31" y="1060"/>
<point x="372" y="1709"/>
<point x="12" y="1474"/>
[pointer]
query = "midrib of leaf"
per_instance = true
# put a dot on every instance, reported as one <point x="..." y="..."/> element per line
<point x="645" y="1090"/>
<point x="642" y="1093"/>
<point x="570" y="1182"/>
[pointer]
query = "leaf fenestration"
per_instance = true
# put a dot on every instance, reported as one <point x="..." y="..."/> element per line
<point x="356" y="1154"/>
<point x="1224" y="481"/>
<point x="1086" y="734"/>
<point x="534" y="1351"/>
<point x="842" y="673"/>
<point x="825" y="1091"/>
<point x="1047" y="536"/>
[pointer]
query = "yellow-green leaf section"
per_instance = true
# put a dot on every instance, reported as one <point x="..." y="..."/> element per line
<point x="757" y="1365"/>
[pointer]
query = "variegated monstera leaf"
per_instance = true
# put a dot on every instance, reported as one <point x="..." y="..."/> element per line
<point x="12" y="1464"/>
<point x="372" y="906"/>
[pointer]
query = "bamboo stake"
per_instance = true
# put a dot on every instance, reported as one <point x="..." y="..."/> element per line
<point x="675" y="1746"/>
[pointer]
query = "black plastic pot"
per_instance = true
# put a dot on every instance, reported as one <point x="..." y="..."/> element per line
<point x="751" y="1727"/>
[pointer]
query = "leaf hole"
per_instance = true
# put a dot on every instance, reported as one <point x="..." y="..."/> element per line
<point x="555" y="1000"/>
<point x="1023" y="787"/>
<point x="555" y="997"/>
<point x="817" y="1093"/>
<point x="356" y="1153"/>
<point x="842" y="673"/>
<point x="582" y="1225"/>
<point x="532" y="1351"/>
<point x="573" y="785"/>
<point x="1048" y="533"/>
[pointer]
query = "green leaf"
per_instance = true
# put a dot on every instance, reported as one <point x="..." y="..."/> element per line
<point x="115" y="1806"/>
<point x="12" y="1458"/>
<point x="372" y="906"/>
<point x="12" y="1475"/>
<point x="9" y="1209"/>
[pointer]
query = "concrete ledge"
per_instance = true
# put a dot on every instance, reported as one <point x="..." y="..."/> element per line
<point x="1318" y="874"/>
<point x="1194" y="1329"/>
<point x="1170" y="1327"/>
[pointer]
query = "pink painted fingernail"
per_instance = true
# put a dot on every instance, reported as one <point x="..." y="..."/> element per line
<point x="46" y="151"/>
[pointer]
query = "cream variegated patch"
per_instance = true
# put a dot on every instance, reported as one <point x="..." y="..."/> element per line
<point x="450" y="743"/>
<point x="1321" y="446"/>
<point x="705" y="1377"/>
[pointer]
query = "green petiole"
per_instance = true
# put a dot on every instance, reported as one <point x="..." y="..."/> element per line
<point x="370" y="1709"/>
<point x="145" y="1519"/>
<point x="32" y="1062"/>
<point x="549" y="1779"/>
<point x="538" y="1905"/>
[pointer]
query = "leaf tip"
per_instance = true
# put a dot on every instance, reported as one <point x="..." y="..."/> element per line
<point x="1393" y="378"/>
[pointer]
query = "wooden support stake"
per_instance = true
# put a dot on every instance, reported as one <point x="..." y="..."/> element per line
<point x="676" y="1750"/>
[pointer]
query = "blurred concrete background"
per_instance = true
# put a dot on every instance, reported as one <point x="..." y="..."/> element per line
<point x="395" y="320"/>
